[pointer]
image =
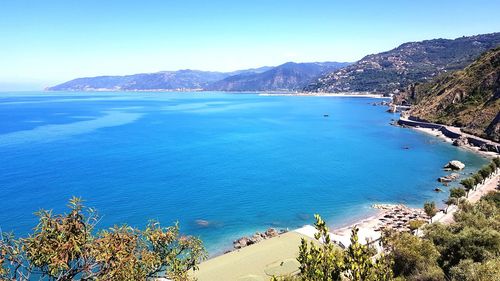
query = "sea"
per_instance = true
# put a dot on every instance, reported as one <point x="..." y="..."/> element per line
<point x="223" y="165"/>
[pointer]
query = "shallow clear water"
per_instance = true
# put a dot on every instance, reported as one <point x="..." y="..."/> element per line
<point x="242" y="162"/>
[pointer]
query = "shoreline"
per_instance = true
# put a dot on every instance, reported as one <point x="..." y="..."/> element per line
<point x="201" y="91"/>
<point x="473" y="196"/>
<point x="473" y="143"/>
<point x="347" y="94"/>
<point x="438" y="134"/>
<point x="369" y="226"/>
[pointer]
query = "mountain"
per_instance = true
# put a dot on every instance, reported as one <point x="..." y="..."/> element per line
<point x="285" y="77"/>
<point x="289" y="76"/>
<point x="468" y="98"/>
<point x="251" y="70"/>
<point x="409" y="63"/>
<point x="165" y="80"/>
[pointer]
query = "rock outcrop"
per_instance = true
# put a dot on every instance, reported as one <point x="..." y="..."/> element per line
<point x="455" y="165"/>
<point x="449" y="178"/>
<point x="257" y="237"/>
<point x="461" y="141"/>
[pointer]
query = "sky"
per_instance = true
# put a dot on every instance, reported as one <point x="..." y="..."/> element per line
<point x="43" y="43"/>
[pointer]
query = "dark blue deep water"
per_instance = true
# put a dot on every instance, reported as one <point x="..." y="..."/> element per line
<point x="241" y="162"/>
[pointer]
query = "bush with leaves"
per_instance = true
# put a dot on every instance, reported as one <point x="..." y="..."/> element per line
<point x="493" y="198"/>
<point x="323" y="260"/>
<point x="414" y="258"/>
<point x="430" y="209"/>
<point x="416" y="224"/>
<point x="485" y="172"/>
<point x="468" y="270"/>
<point x="493" y="166"/>
<point x="497" y="161"/>
<point x="478" y="178"/>
<point x="456" y="194"/>
<point x="64" y="247"/>
<point x="475" y="235"/>
<point x="468" y="184"/>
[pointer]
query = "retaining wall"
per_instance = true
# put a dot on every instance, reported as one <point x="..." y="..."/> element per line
<point x="476" y="141"/>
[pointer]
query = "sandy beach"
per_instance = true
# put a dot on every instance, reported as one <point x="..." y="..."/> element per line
<point x="398" y="216"/>
<point x="395" y="216"/>
<point x="369" y="228"/>
<point x="277" y="254"/>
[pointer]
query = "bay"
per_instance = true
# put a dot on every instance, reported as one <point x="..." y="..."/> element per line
<point x="222" y="164"/>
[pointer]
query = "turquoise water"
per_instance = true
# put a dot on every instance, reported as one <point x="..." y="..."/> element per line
<point x="242" y="162"/>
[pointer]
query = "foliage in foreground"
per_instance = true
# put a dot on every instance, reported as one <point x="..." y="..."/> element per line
<point x="468" y="249"/>
<point x="64" y="247"/>
<point x="325" y="261"/>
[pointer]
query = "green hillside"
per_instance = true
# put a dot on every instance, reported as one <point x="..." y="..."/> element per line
<point x="468" y="98"/>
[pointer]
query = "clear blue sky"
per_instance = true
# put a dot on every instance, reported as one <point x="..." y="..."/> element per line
<point x="47" y="42"/>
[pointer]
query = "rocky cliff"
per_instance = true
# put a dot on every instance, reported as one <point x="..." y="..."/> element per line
<point x="468" y="98"/>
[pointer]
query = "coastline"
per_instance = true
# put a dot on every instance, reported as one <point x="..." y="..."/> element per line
<point x="313" y="94"/>
<point x="473" y="196"/>
<point x="440" y="135"/>
<point x="258" y="92"/>
<point x="369" y="226"/>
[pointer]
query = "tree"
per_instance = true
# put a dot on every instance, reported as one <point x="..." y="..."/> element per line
<point x="64" y="247"/>
<point x="450" y="201"/>
<point x="457" y="192"/>
<point x="430" y="209"/>
<point x="415" y="224"/>
<point x="485" y="172"/>
<point x="320" y="262"/>
<point x="497" y="161"/>
<point x="493" y="198"/>
<point x="474" y="235"/>
<point x="468" y="184"/>
<point x="493" y="167"/>
<point x="468" y="270"/>
<point x="324" y="261"/>
<point x="414" y="258"/>
<point x="477" y="178"/>
<point x="467" y="249"/>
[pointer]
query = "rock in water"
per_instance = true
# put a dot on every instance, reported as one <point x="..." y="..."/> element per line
<point x="202" y="223"/>
<point x="455" y="165"/>
<point x="449" y="178"/>
<point x="271" y="232"/>
<point x="461" y="141"/>
<point x="242" y="242"/>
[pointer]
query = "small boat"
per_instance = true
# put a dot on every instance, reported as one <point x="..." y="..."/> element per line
<point x="325" y="115"/>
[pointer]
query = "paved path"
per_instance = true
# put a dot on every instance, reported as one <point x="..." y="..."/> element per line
<point x="474" y="196"/>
